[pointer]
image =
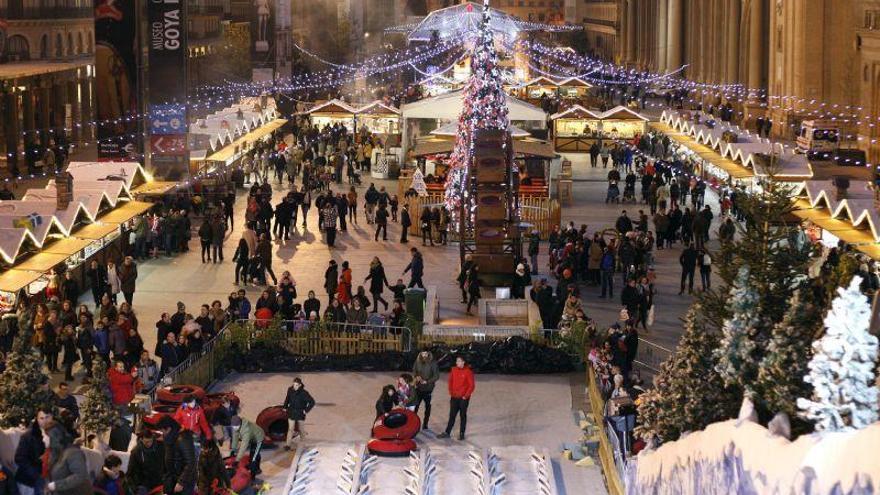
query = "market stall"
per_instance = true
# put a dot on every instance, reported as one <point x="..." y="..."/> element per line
<point x="75" y="253"/>
<point x="16" y="283"/>
<point x="576" y="129"/>
<point x="332" y="112"/>
<point x="380" y="119"/>
<point x="539" y="87"/>
<point x="574" y="88"/>
<point x="622" y="123"/>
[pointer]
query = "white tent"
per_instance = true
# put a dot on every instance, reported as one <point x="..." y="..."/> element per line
<point x="451" y="129"/>
<point x="448" y="106"/>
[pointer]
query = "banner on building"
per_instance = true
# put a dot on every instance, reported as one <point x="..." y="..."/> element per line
<point x="263" y="37"/>
<point x="167" y="50"/>
<point x="116" y="81"/>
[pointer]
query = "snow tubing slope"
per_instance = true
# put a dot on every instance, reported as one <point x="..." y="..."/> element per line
<point x="745" y="458"/>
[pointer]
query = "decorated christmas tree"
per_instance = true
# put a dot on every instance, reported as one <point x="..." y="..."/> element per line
<point x="781" y="373"/>
<point x="484" y="107"/>
<point x="689" y="392"/>
<point x="736" y="352"/>
<point x="842" y="369"/>
<point x="418" y="183"/>
<point x="97" y="412"/>
<point x="23" y="386"/>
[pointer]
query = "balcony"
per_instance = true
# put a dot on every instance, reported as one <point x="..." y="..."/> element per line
<point x="19" y="12"/>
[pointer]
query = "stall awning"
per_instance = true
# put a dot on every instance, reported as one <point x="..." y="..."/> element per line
<point x="155" y="188"/>
<point x="41" y="262"/>
<point x="126" y="212"/>
<point x="15" y="280"/>
<point x="735" y="170"/>
<point x="67" y="246"/>
<point x="860" y="238"/>
<point x="96" y="231"/>
<point x="228" y="153"/>
<point x="525" y="147"/>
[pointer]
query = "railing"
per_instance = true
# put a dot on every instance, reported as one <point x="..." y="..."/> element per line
<point x="298" y="337"/>
<point x="608" y="455"/>
<point x="651" y="355"/>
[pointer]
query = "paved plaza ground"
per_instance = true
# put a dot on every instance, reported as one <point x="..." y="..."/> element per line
<point x="164" y="281"/>
<point x="505" y="410"/>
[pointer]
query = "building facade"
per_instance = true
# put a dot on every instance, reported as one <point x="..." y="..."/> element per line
<point x="794" y="59"/>
<point x="46" y="77"/>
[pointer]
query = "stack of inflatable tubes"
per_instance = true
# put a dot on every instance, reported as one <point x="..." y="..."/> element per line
<point x="393" y="433"/>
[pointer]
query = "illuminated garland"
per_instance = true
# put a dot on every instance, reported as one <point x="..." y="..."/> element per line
<point x="484" y="106"/>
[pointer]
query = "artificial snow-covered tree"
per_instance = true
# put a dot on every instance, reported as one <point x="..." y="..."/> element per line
<point x="484" y="106"/>
<point x="781" y="372"/>
<point x="777" y="256"/>
<point x="23" y="386"/>
<point x="736" y="353"/>
<point x="845" y="396"/>
<point x="689" y="392"/>
<point x="97" y="412"/>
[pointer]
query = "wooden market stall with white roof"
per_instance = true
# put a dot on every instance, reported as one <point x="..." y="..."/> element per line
<point x="332" y="112"/>
<point x="84" y="214"/>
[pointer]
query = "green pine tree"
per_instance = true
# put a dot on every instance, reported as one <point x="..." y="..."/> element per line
<point x="777" y="255"/>
<point x="23" y="386"/>
<point x="689" y="392"/>
<point x="97" y="412"/>
<point x="781" y="373"/>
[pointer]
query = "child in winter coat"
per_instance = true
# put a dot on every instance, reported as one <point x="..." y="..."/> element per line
<point x="405" y="391"/>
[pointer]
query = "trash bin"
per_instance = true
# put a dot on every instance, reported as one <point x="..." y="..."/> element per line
<point x="414" y="302"/>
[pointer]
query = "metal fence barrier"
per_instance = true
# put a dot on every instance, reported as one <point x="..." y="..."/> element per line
<point x="651" y="355"/>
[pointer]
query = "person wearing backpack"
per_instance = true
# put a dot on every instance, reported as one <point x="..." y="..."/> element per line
<point x="704" y="259"/>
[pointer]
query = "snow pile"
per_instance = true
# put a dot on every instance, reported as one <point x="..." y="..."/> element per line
<point x="520" y="470"/>
<point x="324" y="469"/>
<point x="743" y="457"/>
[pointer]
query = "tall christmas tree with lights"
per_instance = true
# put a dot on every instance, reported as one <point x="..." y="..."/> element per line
<point x="484" y="107"/>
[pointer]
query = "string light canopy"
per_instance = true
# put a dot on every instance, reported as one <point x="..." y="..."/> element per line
<point x="464" y="20"/>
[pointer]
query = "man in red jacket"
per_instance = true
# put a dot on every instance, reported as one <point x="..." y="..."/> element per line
<point x="191" y="417"/>
<point x="122" y="384"/>
<point x="461" y="386"/>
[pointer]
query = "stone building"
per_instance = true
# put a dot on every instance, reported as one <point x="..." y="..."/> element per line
<point x="795" y="59"/>
<point x="46" y="76"/>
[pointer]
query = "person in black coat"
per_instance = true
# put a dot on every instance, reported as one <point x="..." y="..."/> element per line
<point x="378" y="282"/>
<point x="688" y="261"/>
<point x="417" y="268"/>
<point x="146" y="465"/>
<point x="387" y="401"/>
<point x="331" y="280"/>
<point x="630" y="299"/>
<point x="298" y="403"/>
<point x="97" y="276"/>
<point x="311" y="305"/>
<point x="405" y="223"/>
<point x="181" y="471"/>
<point x="241" y="258"/>
<point x="30" y="450"/>
<point x="542" y="295"/>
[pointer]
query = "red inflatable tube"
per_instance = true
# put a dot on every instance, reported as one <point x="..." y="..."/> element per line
<point x="399" y="424"/>
<point x="174" y="394"/>
<point x="391" y="448"/>
<point x="241" y="479"/>
<point x="273" y="420"/>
